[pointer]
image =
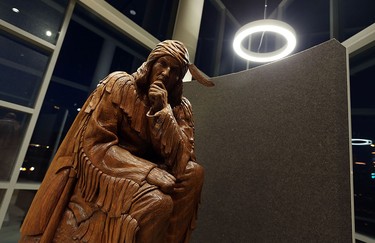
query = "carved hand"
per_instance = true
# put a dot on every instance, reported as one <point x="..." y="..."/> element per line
<point x="162" y="179"/>
<point x="186" y="180"/>
<point x="158" y="96"/>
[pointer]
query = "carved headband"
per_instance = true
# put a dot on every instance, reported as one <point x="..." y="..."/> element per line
<point x="178" y="50"/>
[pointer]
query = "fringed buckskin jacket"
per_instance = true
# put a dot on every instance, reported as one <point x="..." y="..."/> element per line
<point x="104" y="160"/>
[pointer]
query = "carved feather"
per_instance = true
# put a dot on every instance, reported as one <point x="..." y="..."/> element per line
<point x="200" y="76"/>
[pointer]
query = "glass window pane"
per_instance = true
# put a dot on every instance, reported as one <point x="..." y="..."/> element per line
<point x="57" y="114"/>
<point x="12" y="129"/>
<point x="125" y="62"/>
<point x="19" y="205"/>
<point x="21" y="71"/>
<point x="362" y="74"/>
<point x="40" y="18"/>
<point x="206" y="56"/>
<point x="156" y="17"/>
<point x="310" y="20"/>
<point x="356" y="16"/>
<point x="79" y="54"/>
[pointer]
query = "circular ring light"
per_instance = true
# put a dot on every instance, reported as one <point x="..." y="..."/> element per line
<point x="360" y="141"/>
<point x="263" y="25"/>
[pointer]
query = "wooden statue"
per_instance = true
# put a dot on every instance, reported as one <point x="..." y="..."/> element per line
<point x="126" y="170"/>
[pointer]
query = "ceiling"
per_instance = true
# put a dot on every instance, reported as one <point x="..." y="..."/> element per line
<point x="249" y="10"/>
<point x="310" y="19"/>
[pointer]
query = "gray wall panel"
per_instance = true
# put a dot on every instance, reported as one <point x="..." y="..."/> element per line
<point x="275" y="144"/>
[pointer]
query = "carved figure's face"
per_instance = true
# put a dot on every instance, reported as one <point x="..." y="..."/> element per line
<point x="167" y="70"/>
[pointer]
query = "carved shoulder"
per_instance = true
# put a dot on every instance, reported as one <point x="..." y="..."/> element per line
<point x="113" y="83"/>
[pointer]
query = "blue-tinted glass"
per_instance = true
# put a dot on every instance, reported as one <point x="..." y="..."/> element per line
<point x="59" y="109"/>
<point x="215" y="55"/>
<point x="124" y="61"/>
<point x="206" y="56"/>
<point x="229" y="61"/>
<point x="20" y="203"/>
<point x="356" y="16"/>
<point x="13" y="125"/>
<point x="40" y="18"/>
<point x="156" y="17"/>
<point x="362" y="74"/>
<point x="21" y="71"/>
<point x="79" y="54"/>
<point x="310" y="20"/>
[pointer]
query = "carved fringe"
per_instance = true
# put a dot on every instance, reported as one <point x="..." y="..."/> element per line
<point x="105" y="229"/>
<point x="113" y="195"/>
<point x="184" y="112"/>
<point x="104" y="85"/>
<point x="134" y="108"/>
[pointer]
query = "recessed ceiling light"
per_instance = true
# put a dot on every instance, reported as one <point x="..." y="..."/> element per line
<point x="133" y="12"/>
<point x="48" y="33"/>
<point x="16" y="10"/>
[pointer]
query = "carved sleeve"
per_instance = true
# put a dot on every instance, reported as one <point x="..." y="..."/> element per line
<point x="100" y="143"/>
<point x="108" y="175"/>
<point x="172" y="135"/>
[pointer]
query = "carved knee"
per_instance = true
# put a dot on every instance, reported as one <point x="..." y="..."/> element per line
<point x="153" y="213"/>
<point x="162" y="203"/>
<point x="152" y="206"/>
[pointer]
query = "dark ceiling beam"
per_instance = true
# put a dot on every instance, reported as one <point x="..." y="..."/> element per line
<point x="334" y="22"/>
<point x="279" y="11"/>
<point x="221" y="7"/>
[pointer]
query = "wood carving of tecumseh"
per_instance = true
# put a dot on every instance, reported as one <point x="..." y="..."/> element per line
<point x="126" y="170"/>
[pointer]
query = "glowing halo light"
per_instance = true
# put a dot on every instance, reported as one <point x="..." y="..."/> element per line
<point x="264" y="25"/>
<point x="361" y="141"/>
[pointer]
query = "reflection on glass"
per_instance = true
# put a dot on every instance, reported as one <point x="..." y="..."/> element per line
<point x="21" y="71"/>
<point x="57" y="114"/>
<point x="20" y="203"/>
<point x="34" y="16"/>
<point x="35" y="164"/>
<point x="364" y="187"/>
<point x="362" y="74"/>
<point x="12" y="128"/>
